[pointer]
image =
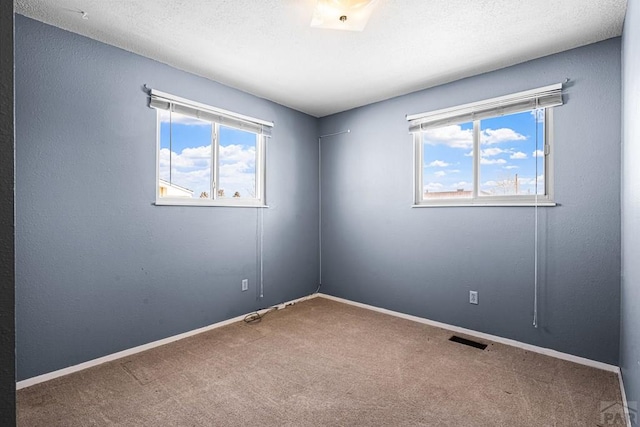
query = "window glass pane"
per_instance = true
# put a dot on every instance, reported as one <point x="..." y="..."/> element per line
<point x="185" y="156"/>
<point x="447" y="164"/>
<point x="237" y="160"/>
<point x="511" y="154"/>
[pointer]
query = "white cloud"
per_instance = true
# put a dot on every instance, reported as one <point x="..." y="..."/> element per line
<point x="453" y="136"/>
<point x="190" y="158"/>
<point x="469" y="154"/>
<point x="438" y="164"/>
<point x="191" y="168"/>
<point x="496" y="136"/>
<point x="433" y="186"/>
<point x="510" y="167"/>
<point x="456" y="137"/>
<point x="538" y="114"/>
<point x="484" y="161"/>
<point x="461" y="184"/>
<point x="538" y="153"/>
<point x="453" y="170"/>
<point x="490" y="152"/>
<point x="518" y="155"/>
<point x="440" y="173"/>
<point x="236" y="153"/>
<point x="531" y="180"/>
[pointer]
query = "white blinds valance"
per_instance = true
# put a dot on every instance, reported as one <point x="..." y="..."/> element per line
<point x="164" y="101"/>
<point x="544" y="97"/>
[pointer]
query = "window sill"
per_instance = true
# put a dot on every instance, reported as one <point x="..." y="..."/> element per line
<point x="457" y="203"/>
<point x="210" y="203"/>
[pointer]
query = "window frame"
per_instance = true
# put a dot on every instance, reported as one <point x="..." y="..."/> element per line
<point x="476" y="200"/>
<point x="260" y="201"/>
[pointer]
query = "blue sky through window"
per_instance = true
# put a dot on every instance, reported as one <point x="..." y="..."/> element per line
<point x="511" y="147"/>
<point x="187" y="163"/>
<point x="237" y="153"/>
<point x="447" y="166"/>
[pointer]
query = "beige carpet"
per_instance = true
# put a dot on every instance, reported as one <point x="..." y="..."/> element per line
<point x="320" y="362"/>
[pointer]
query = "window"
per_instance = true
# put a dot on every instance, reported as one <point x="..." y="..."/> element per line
<point x="207" y="156"/>
<point x="495" y="152"/>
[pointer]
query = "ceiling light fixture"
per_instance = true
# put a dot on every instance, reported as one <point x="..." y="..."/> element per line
<point x="349" y="15"/>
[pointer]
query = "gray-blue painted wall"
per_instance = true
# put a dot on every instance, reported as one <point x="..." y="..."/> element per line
<point x="93" y="275"/>
<point x="630" y="297"/>
<point x="378" y="250"/>
<point x="7" y="248"/>
<point x="99" y="268"/>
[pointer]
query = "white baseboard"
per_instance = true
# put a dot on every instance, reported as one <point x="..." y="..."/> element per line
<point x="482" y="335"/>
<point x="108" y="358"/>
<point x="506" y="341"/>
<point x="625" y="402"/>
<point x="546" y="351"/>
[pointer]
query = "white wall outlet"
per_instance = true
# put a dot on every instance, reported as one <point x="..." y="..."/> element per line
<point x="473" y="297"/>
<point x="245" y="285"/>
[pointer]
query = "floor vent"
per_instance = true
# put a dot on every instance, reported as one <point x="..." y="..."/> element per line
<point x="470" y="343"/>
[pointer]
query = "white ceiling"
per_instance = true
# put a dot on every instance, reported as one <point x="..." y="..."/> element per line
<point x="267" y="47"/>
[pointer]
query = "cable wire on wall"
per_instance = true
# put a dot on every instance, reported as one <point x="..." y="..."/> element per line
<point x="320" y="201"/>
<point x="535" y="231"/>
<point x="260" y="235"/>
<point x="170" y="147"/>
<point x="261" y="252"/>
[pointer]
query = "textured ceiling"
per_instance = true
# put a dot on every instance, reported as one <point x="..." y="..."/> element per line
<point x="267" y="47"/>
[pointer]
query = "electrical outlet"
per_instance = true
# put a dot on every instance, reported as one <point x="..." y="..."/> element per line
<point x="245" y="285"/>
<point x="473" y="297"/>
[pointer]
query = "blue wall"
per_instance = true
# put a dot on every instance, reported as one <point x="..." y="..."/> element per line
<point x="99" y="268"/>
<point x="380" y="251"/>
<point x="630" y="298"/>
<point x="7" y="249"/>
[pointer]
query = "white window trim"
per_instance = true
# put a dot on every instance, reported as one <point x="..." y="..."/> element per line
<point x="476" y="200"/>
<point x="261" y="148"/>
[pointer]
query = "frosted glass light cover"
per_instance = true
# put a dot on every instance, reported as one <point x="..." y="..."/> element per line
<point x="328" y="12"/>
